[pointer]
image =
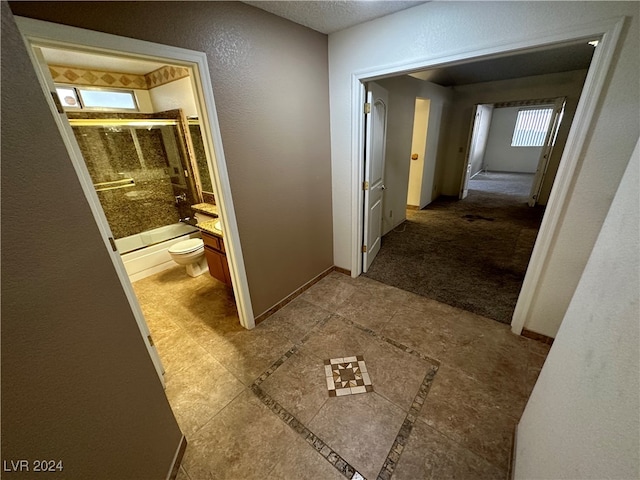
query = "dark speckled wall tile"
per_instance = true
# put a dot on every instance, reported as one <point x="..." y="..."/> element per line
<point x="149" y="156"/>
<point x="201" y="158"/>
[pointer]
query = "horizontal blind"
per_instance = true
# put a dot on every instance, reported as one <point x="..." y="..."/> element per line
<point x="531" y="127"/>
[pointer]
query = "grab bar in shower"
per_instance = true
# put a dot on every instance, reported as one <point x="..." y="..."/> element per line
<point x="122" y="183"/>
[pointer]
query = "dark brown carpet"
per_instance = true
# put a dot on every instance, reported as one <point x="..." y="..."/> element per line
<point x="470" y="253"/>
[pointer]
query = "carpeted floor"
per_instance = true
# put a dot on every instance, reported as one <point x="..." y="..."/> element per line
<point x="470" y="253"/>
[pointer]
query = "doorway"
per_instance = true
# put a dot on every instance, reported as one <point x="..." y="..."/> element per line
<point x="558" y="201"/>
<point x="518" y="137"/>
<point x="40" y="35"/>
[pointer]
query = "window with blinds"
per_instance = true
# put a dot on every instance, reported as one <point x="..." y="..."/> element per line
<point x="531" y="127"/>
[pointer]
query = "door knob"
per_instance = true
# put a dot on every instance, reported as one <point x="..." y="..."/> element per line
<point x="383" y="187"/>
<point x="414" y="156"/>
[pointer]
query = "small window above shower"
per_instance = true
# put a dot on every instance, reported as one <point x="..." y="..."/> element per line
<point x="97" y="99"/>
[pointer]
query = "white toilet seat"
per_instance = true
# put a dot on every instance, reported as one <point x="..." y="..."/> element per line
<point x="186" y="246"/>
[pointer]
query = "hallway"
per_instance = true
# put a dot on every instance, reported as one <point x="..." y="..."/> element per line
<point x="471" y="253"/>
<point x="448" y="386"/>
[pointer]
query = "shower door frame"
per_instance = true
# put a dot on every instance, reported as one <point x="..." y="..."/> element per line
<point x="37" y="33"/>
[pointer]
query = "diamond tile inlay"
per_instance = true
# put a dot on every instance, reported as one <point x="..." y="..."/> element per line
<point x="347" y="376"/>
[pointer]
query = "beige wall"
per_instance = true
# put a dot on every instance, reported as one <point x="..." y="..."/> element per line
<point x="77" y="382"/>
<point x="270" y="82"/>
<point x="582" y="418"/>
<point x="176" y="94"/>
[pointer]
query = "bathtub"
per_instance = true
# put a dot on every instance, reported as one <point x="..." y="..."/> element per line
<point x="147" y="253"/>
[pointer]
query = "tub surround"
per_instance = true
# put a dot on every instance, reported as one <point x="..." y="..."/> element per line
<point x="154" y="158"/>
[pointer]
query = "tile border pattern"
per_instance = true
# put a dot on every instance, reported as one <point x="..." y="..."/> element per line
<point x="96" y="78"/>
<point x="344" y="467"/>
<point x="103" y="78"/>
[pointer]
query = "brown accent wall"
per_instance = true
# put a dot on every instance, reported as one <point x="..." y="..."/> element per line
<point x="270" y="81"/>
<point x="77" y="382"/>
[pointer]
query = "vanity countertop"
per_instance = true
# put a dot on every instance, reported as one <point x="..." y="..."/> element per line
<point x="209" y="227"/>
<point x="206" y="209"/>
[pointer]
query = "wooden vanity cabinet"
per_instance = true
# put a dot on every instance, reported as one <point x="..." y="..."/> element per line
<point x="216" y="258"/>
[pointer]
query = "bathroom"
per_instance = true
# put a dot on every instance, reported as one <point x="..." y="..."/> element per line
<point x="136" y="125"/>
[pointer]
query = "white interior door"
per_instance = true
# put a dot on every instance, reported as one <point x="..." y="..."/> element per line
<point x="478" y="136"/>
<point x="547" y="148"/>
<point x="475" y="120"/>
<point x="376" y="134"/>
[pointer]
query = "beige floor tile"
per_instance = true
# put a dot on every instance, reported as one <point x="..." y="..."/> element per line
<point x="160" y="323"/>
<point x="244" y="441"/>
<point x="302" y="461"/>
<point x="431" y="333"/>
<point x="299" y="385"/>
<point x="295" y="320"/>
<point x="464" y="430"/>
<point x="430" y="306"/>
<point x="248" y="353"/>
<point x="360" y="428"/>
<point x="368" y="309"/>
<point x="336" y="339"/>
<point x="430" y="455"/>
<point x="200" y="392"/>
<point x="179" y="351"/>
<point x="396" y="375"/>
<point x="472" y="414"/>
<point x="330" y="292"/>
<point x="501" y="363"/>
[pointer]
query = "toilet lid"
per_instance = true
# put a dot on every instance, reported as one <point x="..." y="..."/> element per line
<point x="186" y="246"/>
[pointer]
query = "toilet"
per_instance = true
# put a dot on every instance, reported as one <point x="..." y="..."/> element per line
<point x="191" y="254"/>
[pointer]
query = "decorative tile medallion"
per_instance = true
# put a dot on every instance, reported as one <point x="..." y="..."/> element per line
<point x="347" y="376"/>
<point x="358" y="369"/>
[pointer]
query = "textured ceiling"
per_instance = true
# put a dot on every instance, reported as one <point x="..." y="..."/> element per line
<point x="563" y="58"/>
<point x="328" y="16"/>
<point x="331" y="16"/>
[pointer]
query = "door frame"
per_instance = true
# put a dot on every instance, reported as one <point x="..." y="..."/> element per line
<point x="609" y="32"/>
<point x="47" y="33"/>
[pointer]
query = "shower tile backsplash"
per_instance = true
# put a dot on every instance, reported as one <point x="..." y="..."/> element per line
<point x="150" y="156"/>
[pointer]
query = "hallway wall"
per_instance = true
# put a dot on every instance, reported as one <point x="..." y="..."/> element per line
<point x="265" y="71"/>
<point x="582" y="418"/>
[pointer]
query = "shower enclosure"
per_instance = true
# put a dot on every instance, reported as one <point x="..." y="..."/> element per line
<point x="144" y="171"/>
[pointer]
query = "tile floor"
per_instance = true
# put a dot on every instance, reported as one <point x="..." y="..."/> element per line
<point x="448" y="386"/>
